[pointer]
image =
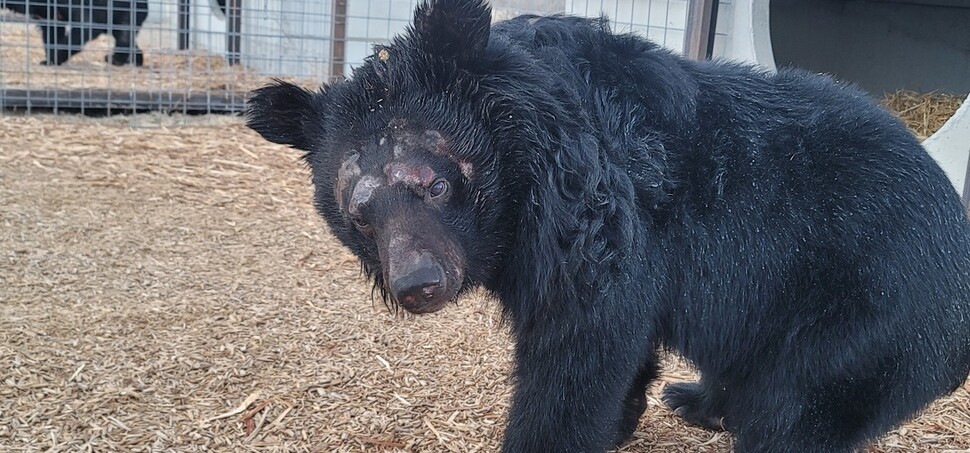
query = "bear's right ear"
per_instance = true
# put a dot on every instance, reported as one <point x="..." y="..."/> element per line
<point x="281" y="112"/>
<point x="456" y="29"/>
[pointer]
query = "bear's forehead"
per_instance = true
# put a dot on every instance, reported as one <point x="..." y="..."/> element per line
<point x="401" y="140"/>
<point x="400" y="152"/>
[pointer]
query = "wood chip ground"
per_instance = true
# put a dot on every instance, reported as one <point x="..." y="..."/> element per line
<point x="165" y="285"/>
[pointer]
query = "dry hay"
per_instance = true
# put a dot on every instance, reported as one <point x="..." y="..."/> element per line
<point x="923" y="113"/>
<point x="189" y="72"/>
<point x="171" y="288"/>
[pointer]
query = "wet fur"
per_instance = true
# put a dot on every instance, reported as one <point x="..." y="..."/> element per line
<point x="787" y="236"/>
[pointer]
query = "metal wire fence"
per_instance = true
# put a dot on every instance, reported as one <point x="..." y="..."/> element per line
<point x="203" y="56"/>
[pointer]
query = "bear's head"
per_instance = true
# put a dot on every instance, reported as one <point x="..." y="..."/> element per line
<point x="404" y="172"/>
<point x="461" y="155"/>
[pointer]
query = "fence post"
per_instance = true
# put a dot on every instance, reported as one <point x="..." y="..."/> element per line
<point x="699" y="35"/>
<point x="234" y="35"/>
<point x="338" y="39"/>
<point x="184" y="22"/>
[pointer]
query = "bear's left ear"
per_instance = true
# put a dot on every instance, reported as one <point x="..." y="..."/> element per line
<point x="281" y="112"/>
<point x="456" y="29"/>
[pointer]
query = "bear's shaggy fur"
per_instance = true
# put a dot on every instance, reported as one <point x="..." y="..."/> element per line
<point x="788" y="237"/>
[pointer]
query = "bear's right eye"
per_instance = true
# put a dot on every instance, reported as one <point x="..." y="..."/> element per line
<point x="438" y="188"/>
<point x="361" y="224"/>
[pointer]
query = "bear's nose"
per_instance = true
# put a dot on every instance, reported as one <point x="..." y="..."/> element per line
<point x="418" y="287"/>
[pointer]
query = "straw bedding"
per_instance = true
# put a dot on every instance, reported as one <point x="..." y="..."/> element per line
<point x="170" y="288"/>
<point x="923" y="113"/>
<point x="190" y="72"/>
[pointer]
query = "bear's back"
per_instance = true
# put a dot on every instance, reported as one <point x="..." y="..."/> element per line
<point x="789" y="176"/>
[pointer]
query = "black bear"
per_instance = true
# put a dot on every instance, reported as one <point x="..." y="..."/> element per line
<point x="780" y="231"/>
<point x="67" y="25"/>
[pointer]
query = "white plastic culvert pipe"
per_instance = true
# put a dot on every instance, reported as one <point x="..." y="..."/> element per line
<point x="950" y="147"/>
<point x="747" y="26"/>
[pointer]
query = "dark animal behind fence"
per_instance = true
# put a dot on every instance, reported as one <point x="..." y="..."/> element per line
<point x="67" y="25"/>
<point x="780" y="231"/>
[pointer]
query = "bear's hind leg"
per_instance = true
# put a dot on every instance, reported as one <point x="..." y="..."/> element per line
<point x="695" y="403"/>
<point x="839" y="413"/>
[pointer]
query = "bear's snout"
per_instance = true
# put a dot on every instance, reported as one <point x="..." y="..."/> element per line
<point x="422" y="272"/>
<point x="417" y="283"/>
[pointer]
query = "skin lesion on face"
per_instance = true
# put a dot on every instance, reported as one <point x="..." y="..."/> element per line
<point x="363" y="191"/>
<point x="349" y="170"/>
<point x="404" y="142"/>
<point x="466" y="169"/>
<point x="414" y="176"/>
<point x="440" y="147"/>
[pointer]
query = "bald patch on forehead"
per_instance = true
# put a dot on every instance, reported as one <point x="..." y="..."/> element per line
<point x="436" y="141"/>
<point x="440" y="147"/>
<point x="362" y="192"/>
<point x="410" y="175"/>
<point x="397" y="124"/>
<point x="405" y="141"/>
<point x="466" y="169"/>
<point x="349" y="170"/>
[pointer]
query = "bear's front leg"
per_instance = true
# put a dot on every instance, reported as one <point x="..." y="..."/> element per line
<point x="55" y="44"/>
<point x="579" y="385"/>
